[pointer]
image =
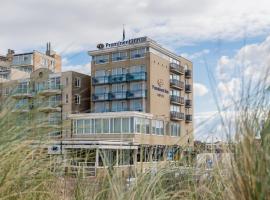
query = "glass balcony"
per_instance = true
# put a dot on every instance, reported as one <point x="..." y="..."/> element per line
<point x="51" y="89"/>
<point x="117" y="78"/>
<point x="188" y="103"/>
<point x="118" y="95"/>
<point x="136" y="76"/>
<point x="176" y="83"/>
<point x="100" y="97"/>
<point x="49" y="106"/>
<point x="177" y="115"/>
<point x="188" y="88"/>
<point x="22" y="93"/>
<point x="136" y="94"/>
<point x="177" y="100"/>
<point x="176" y="68"/>
<point x="188" y="118"/>
<point x="188" y="73"/>
<point x="100" y="80"/>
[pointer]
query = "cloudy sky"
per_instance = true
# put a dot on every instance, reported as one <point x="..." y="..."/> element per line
<point x="224" y="39"/>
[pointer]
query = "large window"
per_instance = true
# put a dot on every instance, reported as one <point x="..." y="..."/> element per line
<point x="157" y="127"/>
<point x="101" y="59"/>
<point x="54" y="83"/>
<point x="137" y="53"/>
<point x="175" y="93"/>
<point x="137" y="86"/>
<point x="137" y="69"/>
<point x="136" y="105"/>
<point x="118" y="56"/>
<point x="175" y="108"/>
<point x="101" y="107"/>
<point x="101" y="89"/>
<point x="175" y="129"/>
<point x="77" y="99"/>
<point x="175" y="77"/>
<point x="26" y="59"/>
<point x="118" y="106"/>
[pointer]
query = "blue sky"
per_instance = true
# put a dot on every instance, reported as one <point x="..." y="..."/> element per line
<point x="220" y="37"/>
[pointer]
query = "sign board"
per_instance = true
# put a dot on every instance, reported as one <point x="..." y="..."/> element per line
<point x="122" y="43"/>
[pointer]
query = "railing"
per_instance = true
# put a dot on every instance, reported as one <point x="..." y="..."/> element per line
<point x="118" y="95"/>
<point x="188" y="103"/>
<point x="188" y="118"/>
<point x="177" y="115"/>
<point x="176" y="83"/>
<point x="136" y="94"/>
<point x="188" y="88"/>
<point x="176" y="68"/>
<point x="119" y="78"/>
<point x="188" y="73"/>
<point x="85" y="169"/>
<point x="100" y="97"/>
<point x="177" y="99"/>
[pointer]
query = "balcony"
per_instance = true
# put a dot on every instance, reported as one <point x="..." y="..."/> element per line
<point x="22" y="93"/>
<point x="118" y="95"/>
<point x="100" y="80"/>
<point x="51" y="106"/>
<point x="188" y="73"/>
<point x="188" y="88"/>
<point x="117" y="78"/>
<point x="136" y="76"/>
<point x="188" y="118"/>
<point x="136" y="94"/>
<point x="176" y="84"/>
<point x="177" y="100"/>
<point x="176" y="68"/>
<point x="188" y="103"/>
<point x="177" y="115"/>
<point x="50" y="90"/>
<point x="100" y="97"/>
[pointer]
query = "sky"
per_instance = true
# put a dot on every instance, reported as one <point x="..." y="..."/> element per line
<point x="226" y="40"/>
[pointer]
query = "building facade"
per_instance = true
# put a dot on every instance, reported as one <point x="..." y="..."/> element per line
<point x="141" y="106"/>
<point x="18" y="66"/>
<point x="45" y="99"/>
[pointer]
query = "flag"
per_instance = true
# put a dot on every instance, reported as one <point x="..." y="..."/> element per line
<point x="124" y="33"/>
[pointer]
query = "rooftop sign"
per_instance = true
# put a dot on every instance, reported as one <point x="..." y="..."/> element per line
<point x="122" y="43"/>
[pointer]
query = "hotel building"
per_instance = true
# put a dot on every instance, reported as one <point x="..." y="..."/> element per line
<point x="141" y="108"/>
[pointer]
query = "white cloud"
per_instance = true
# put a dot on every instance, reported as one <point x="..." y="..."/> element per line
<point x="196" y="55"/>
<point x="85" y="69"/>
<point x="77" y="25"/>
<point x="244" y="73"/>
<point x="200" y="89"/>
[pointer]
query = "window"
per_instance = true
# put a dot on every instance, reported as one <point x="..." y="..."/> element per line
<point x="77" y="82"/>
<point x="157" y="127"/>
<point x="66" y="98"/>
<point x="175" y="129"/>
<point x="137" y="53"/>
<point x="101" y="107"/>
<point x="137" y="69"/>
<point x="175" y="77"/>
<point x="174" y="61"/>
<point x="175" y="93"/>
<point x="118" y="106"/>
<point x="175" y="108"/>
<point x="99" y="73"/>
<point x="77" y="99"/>
<point x="54" y="83"/>
<point x="101" y="89"/>
<point x="101" y="59"/>
<point x="119" y="88"/>
<point x="118" y="56"/>
<point x="137" y="86"/>
<point x="136" y="105"/>
<point x="119" y="71"/>
<point x="106" y="126"/>
<point x="125" y="125"/>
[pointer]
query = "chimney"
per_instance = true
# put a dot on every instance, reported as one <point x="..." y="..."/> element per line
<point x="10" y="54"/>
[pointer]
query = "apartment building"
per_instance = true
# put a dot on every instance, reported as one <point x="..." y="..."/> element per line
<point x="44" y="100"/>
<point x="18" y="66"/>
<point x="141" y="108"/>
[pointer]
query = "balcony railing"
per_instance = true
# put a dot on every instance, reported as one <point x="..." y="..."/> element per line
<point x="176" y="68"/>
<point x="177" y="115"/>
<point x="177" y="100"/>
<point x="49" y="106"/>
<point x="119" y="78"/>
<point x="118" y="95"/>
<point x="136" y="76"/>
<point x="188" y="73"/>
<point x="100" y="80"/>
<point x="188" y="118"/>
<point x="176" y="83"/>
<point x="188" y="103"/>
<point x="188" y="88"/>
<point x="133" y="94"/>
<point x="22" y="92"/>
<point x="100" y="97"/>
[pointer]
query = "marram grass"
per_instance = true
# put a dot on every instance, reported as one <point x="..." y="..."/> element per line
<point x="25" y="169"/>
